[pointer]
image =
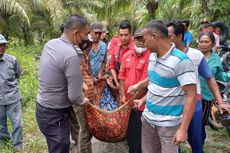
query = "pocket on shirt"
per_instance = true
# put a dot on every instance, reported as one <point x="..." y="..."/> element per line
<point x="10" y="73"/>
<point x="128" y="65"/>
<point x="140" y="66"/>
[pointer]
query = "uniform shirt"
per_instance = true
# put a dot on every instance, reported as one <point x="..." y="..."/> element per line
<point x="187" y="38"/>
<point x="59" y="75"/>
<point x="217" y="70"/>
<point x="201" y="69"/>
<point x="134" y="69"/>
<point x="97" y="58"/>
<point x="9" y="73"/>
<point x="165" y="97"/>
<point x="114" y="48"/>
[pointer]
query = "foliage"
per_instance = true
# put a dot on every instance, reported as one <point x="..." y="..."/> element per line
<point x="34" y="141"/>
<point x="9" y="9"/>
<point x="36" y="21"/>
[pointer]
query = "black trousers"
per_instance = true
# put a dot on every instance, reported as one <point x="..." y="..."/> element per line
<point x="134" y="132"/>
<point x="54" y="124"/>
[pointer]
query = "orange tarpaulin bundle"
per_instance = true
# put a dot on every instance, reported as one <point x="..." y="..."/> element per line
<point x="108" y="126"/>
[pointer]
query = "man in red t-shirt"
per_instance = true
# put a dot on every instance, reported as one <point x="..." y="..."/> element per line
<point x="134" y="68"/>
<point x="118" y="47"/>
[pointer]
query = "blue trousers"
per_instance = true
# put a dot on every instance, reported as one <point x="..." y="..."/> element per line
<point x="196" y="131"/>
<point x="14" y="112"/>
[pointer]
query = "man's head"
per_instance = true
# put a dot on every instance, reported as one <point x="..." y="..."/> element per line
<point x="104" y="33"/>
<point x="124" y="32"/>
<point x="139" y="41"/>
<point x="155" y="32"/>
<point x="210" y="27"/>
<point x="204" y="23"/>
<point x="77" y="28"/>
<point x="176" y="32"/>
<point x="96" y="31"/>
<point x="186" y="24"/>
<point x="3" y="43"/>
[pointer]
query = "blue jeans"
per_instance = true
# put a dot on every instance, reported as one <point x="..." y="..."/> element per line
<point x="196" y="131"/>
<point x="14" y="112"/>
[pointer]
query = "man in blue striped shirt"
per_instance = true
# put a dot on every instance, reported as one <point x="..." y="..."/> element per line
<point x="170" y="101"/>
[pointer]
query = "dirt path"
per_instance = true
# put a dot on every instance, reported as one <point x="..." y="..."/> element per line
<point x="103" y="147"/>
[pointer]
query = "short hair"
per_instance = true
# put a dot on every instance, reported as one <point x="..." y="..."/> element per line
<point x="75" y="21"/>
<point x="187" y="22"/>
<point x="159" y="26"/>
<point x="178" y="27"/>
<point x="62" y="27"/>
<point x="125" y="24"/>
<point x="209" y="34"/>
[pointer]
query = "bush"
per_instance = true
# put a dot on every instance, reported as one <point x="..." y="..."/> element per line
<point x="28" y="59"/>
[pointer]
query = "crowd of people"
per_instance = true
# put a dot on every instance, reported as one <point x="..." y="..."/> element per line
<point x="173" y="81"/>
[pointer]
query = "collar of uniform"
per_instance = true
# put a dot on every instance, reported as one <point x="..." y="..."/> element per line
<point x="98" y="47"/>
<point x="68" y="42"/>
<point x="167" y="54"/>
<point x="3" y="58"/>
<point x="130" y="45"/>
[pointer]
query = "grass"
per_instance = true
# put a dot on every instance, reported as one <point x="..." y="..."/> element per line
<point x="34" y="141"/>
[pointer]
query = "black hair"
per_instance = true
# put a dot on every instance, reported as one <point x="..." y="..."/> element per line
<point x="159" y="26"/>
<point x="209" y="25"/>
<point x="125" y="24"/>
<point x="187" y="22"/>
<point x="178" y="27"/>
<point x="75" y="21"/>
<point x="209" y="34"/>
<point x="62" y="27"/>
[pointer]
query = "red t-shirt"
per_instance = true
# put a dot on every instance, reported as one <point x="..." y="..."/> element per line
<point x="114" y="48"/>
<point x="134" y="69"/>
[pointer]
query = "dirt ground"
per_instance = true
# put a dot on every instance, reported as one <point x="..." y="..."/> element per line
<point x="104" y="147"/>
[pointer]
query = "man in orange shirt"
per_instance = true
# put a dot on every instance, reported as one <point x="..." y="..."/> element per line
<point x="119" y="47"/>
<point x="134" y="68"/>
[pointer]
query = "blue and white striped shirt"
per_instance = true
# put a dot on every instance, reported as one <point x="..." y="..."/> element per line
<point x="165" y="97"/>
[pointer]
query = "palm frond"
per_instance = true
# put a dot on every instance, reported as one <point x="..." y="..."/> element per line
<point x="10" y="7"/>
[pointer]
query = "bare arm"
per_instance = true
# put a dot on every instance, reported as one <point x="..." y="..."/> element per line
<point x="137" y="88"/>
<point x="122" y="91"/>
<point x="213" y="86"/>
<point x="189" y="108"/>
<point x="139" y="102"/>
<point x="100" y="74"/>
<point x="114" y="74"/>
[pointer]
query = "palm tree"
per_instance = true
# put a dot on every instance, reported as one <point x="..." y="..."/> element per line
<point x="11" y="9"/>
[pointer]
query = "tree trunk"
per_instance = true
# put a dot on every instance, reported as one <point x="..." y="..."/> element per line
<point x="152" y="7"/>
<point x="204" y="6"/>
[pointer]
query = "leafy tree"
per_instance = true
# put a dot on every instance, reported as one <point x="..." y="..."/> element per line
<point x="9" y="10"/>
